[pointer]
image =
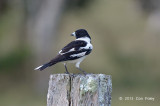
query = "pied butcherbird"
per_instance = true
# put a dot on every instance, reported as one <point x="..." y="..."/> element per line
<point x="74" y="52"/>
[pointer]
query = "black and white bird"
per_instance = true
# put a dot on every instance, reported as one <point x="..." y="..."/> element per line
<point x="74" y="52"/>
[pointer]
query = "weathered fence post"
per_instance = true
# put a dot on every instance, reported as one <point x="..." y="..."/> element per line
<point x="79" y="90"/>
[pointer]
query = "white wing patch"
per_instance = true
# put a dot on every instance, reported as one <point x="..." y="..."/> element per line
<point x="78" y="55"/>
<point x="71" y="50"/>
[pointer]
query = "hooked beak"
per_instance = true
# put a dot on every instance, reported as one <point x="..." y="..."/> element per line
<point x="73" y="34"/>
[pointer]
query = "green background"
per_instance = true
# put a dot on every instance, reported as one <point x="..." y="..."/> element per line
<point x="126" y="45"/>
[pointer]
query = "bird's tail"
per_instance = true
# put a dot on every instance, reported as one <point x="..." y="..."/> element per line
<point x="58" y="58"/>
<point x="42" y="67"/>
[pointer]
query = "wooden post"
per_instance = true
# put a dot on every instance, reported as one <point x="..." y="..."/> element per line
<point x="79" y="90"/>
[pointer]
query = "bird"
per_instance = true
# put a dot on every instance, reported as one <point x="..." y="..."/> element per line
<point x="74" y="52"/>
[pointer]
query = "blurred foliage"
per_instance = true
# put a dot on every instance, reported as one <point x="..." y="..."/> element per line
<point x="124" y="47"/>
<point x="14" y="60"/>
<point x="78" y="4"/>
<point x="149" y="5"/>
<point x="3" y="6"/>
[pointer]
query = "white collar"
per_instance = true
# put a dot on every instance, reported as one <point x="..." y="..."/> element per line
<point x="88" y="40"/>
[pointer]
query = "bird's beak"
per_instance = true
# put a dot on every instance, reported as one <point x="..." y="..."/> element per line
<point x="73" y="34"/>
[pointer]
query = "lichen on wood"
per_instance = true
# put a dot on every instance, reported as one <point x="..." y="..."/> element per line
<point x="79" y="90"/>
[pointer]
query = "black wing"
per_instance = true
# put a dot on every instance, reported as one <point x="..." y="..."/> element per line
<point x="73" y="46"/>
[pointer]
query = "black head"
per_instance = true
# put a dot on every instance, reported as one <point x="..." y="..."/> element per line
<point x="80" y="33"/>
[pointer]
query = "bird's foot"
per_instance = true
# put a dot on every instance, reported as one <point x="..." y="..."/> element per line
<point x="66" y="72"/>
<point x="71" y="75"/>
<point x="82" y="71"/>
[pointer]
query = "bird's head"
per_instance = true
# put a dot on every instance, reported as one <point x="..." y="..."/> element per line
<point x="80" y="33"/>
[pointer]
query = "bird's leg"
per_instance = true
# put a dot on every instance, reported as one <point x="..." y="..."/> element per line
<point x="82" y="70"/>
<point x="66" y="68"/>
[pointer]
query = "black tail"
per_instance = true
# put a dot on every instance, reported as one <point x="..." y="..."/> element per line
<point x="42" y="67"/>
<point x="58" y="58"/>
